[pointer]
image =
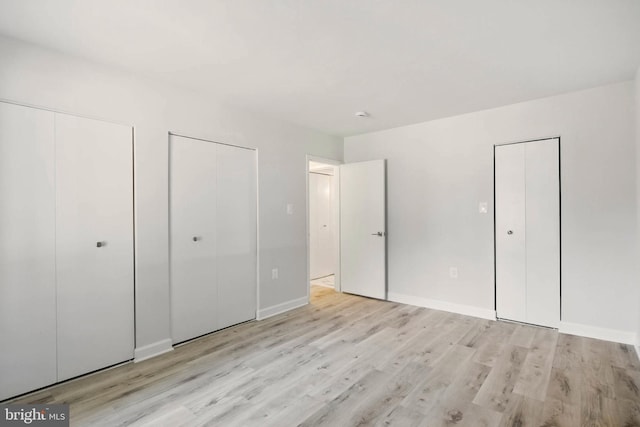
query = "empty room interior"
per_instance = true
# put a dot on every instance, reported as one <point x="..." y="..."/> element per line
<point x="320" y="213"/>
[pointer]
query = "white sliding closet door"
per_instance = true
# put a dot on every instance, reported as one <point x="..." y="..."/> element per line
<point x="236" y="225"/>
<point x="27" y="250"/>
<point x="527" y="183"/>
<point x="194" y="264"/>
<point x="94" y="244"/>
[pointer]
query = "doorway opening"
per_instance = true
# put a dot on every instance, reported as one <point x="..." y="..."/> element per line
<point x="323" y="226"/>
<point x="346" y="234"/>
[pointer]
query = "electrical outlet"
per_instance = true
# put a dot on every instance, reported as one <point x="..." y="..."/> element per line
<point x="274" y="273"/>
<point x="453" y="272"/>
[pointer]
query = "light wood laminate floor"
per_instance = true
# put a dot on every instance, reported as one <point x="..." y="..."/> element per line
<point x="344" y="360"/>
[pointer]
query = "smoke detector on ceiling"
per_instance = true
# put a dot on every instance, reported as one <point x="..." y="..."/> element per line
<point x="362" y="114"/>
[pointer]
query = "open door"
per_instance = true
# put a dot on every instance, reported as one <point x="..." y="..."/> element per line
<point x="363" y="236"/>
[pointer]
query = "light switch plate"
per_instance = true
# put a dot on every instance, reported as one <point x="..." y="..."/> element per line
<point x="289" y="209"/>
<point x="483" y="207"/>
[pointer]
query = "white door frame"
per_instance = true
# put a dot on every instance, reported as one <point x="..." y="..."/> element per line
<point x="336" y="217"/>
<point x="495" y="278"/>
<point x="257" y="171"/>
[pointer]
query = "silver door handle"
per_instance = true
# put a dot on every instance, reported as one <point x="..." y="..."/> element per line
<point x="510" y="232"/>
<point x="100" y="244"/>
<point x="379" y="233"/>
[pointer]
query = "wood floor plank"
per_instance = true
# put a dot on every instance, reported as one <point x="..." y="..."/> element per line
<point x="424" y="348"/>
<point x="597" y="410"/>
<point x="597" y="370"/>
<point x="356" y="363"/>
<point x="557" y="413"/>
<point x="624" y="356"/>
<point x="628" y="412"/>
<point x="473" y="338"/>
<point x="401" y="416"/>
<point x="367" y="400"/>
<point x="626" y="384"/>
<point x="565" y="386"/>
<point x="497" y="390"/>
<point x="523" y="336"/>
<point x="454" y="405"/>
<point x="429" y="391"/>
<point x="536" y="369"/>
<point x="493" y="341"/>
<point x="346" y="361"/>
<point x="178" y="416"/>
<point x="453" y="329"/>
<point x="522" y="411"/>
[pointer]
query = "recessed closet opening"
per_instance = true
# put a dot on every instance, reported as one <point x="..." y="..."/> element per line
<point x="527" y="232"/>
<point x="213" y="236"/>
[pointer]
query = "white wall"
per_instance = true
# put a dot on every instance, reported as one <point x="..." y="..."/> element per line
<point x="439" y="171"/>
<point x="44" y="78"/>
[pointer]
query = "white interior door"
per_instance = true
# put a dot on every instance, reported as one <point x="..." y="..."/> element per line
<point x="321" y="227"/>
<point x="528" y="232"/>
<point x="27" y="250"/>
<point x="193" y="234"/>
<point x="236" y="234"/>
<point x="94" y="244"/>
<point x="363" y="249"/>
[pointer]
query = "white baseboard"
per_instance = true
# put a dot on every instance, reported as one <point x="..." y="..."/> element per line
<point x="605" y="334"/>
<point x="281" y="308"/>
<point x="152" y="350"/>
<point x="467" y="310"/>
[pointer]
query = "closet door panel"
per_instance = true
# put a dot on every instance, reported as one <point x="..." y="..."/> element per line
<point x="511" y="301"/>
<point x="27" y="250"/>
<point x="94" y="244"/>
<point x="543" y="233"/>
<point x="236" y="225"/>
<point x="193" y="234"/>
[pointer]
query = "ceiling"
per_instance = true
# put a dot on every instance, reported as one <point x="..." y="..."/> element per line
<point x="317" y="62"/>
